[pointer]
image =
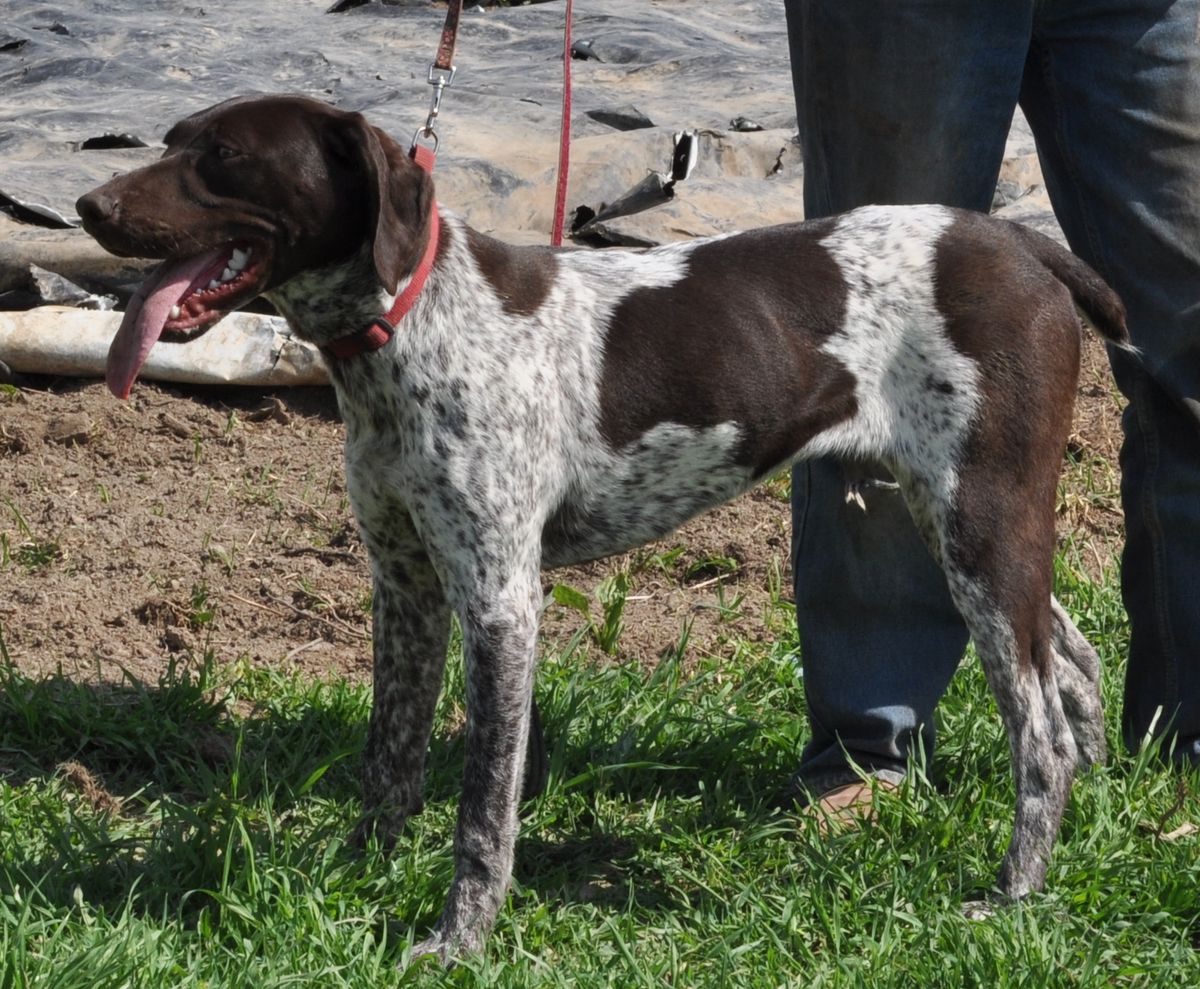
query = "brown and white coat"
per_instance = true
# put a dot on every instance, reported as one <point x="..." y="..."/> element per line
<point x="537" y="408"/>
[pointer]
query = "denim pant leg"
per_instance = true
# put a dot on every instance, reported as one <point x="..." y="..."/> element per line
<point x="1112" y="92"/>
<point x="898" y="102"/>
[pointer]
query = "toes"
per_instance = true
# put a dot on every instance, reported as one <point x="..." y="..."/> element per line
<point x="446" y="947"/>
<point x="383" y="826"/>
<point x="433" y="946"/>
<point x="978" y="909"/>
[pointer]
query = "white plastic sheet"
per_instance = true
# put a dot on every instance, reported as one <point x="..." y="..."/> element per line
<point x="244" y="349"/>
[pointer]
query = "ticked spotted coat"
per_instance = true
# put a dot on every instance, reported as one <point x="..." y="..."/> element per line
<point x="542" y="407"/>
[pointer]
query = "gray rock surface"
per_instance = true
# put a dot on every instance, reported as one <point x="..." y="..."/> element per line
<point x="127" y="67"/>
<point x="111" y="72"/>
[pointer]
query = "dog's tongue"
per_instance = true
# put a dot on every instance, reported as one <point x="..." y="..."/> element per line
<point x="147" y="313"/>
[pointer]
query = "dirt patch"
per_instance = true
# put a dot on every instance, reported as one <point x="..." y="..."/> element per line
<point x="1089" y="511"/>
<point x="81" y="782"/>
<point x="190" y="521"/>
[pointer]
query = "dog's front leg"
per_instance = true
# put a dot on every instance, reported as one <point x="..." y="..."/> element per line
<point x="411" y="625"/>
<point x="499" y="634"/>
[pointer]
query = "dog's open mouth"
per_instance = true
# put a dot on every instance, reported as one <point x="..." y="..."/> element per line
<point x="181" y="299"/>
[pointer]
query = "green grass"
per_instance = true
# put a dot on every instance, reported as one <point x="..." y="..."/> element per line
<point x="211" y="852"/>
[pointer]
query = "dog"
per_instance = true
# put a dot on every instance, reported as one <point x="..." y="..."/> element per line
<point x="533" y="407"/>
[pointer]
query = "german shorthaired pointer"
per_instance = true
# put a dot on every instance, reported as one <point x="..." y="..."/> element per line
<point x="536" y="408"/>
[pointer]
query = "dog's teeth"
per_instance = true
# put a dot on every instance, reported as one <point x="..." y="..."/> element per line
<point x="227" y="274"/>
<point x="176" y="312"/>
<point x="214" y="284"/>
<point x="237" y="260"/>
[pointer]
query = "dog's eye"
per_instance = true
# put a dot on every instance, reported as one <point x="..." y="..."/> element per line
<point x="225" y="152"/>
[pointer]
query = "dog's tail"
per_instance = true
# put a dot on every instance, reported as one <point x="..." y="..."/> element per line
<point x="1100" y="307"/>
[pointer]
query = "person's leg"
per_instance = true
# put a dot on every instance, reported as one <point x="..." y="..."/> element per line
<point x="901" y="102"/>
<point x="908" y="101"/>
<point x="879" y="636"/>
<point x="1112" y="92"/>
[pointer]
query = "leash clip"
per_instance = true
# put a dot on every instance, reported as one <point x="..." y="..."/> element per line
<point x="439" y="78"/>
<point x="425" y="138"/>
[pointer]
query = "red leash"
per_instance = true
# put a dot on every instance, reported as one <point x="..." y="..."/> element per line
<point x="564" y="140"/>
<point x="424" y="152"/>
<point x="441" y="74"/>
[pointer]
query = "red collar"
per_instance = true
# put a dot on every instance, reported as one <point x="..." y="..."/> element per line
<point x="383" y="328"/>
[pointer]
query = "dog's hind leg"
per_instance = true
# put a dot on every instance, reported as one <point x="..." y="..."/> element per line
<point x="1017" y="659"/>
<point x="998" y="564"/>
<point x="1077" y="668"/>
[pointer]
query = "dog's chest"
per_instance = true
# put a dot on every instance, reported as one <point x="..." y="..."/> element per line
<point x="391" y="446"/>
<point x="449" y="455"/>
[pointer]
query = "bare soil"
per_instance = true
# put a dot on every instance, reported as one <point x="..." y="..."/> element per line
<point x="188" y="521"/>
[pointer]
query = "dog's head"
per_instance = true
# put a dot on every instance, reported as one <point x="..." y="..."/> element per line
<point x="248" y="194"/>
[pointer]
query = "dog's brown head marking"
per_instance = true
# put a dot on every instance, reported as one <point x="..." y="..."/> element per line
<point x="248" y="194"/>
<point x="246" y="170"/>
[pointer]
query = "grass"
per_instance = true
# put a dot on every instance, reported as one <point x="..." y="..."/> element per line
<point x="190" y="833"/>
<point x="32" y="553"/>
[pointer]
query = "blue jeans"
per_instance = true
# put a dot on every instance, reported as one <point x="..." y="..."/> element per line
<point x="910" y="102"/>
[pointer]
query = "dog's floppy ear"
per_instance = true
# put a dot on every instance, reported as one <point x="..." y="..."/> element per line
<point x="399" y="196"/>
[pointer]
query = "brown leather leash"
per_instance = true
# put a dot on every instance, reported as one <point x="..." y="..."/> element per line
<point x="445" y="53"/>
<point x="441" y="75"/>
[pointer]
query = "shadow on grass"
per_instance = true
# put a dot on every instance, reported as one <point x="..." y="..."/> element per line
<point x="142" y="792"/>
<point x="176" y="739"/>
<point x="149" y="795"/>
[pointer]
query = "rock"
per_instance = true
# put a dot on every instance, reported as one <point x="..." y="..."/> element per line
<point x="18" y="437"/>
<point x="74" y="427"/>
<point x="622" y="118"/>
<point x="584" y="51"/>
<point x="745" y="125"/>
<point x="71" y="254"/>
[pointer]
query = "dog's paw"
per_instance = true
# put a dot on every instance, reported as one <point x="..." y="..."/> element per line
<point x="381" y="826"/>
<point x="1093" y="751"/>
<point x="446" y="947"/>
<point x="978" y="909"/>
<point x="436" y="947"/>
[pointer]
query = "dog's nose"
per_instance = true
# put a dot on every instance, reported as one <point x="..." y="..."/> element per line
<point x="95" y="207"/>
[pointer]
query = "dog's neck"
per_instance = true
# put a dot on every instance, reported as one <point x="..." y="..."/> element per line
<point x="330" y="302"/>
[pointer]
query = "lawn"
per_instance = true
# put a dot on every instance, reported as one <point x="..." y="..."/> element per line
<point x="192" y="834"/>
